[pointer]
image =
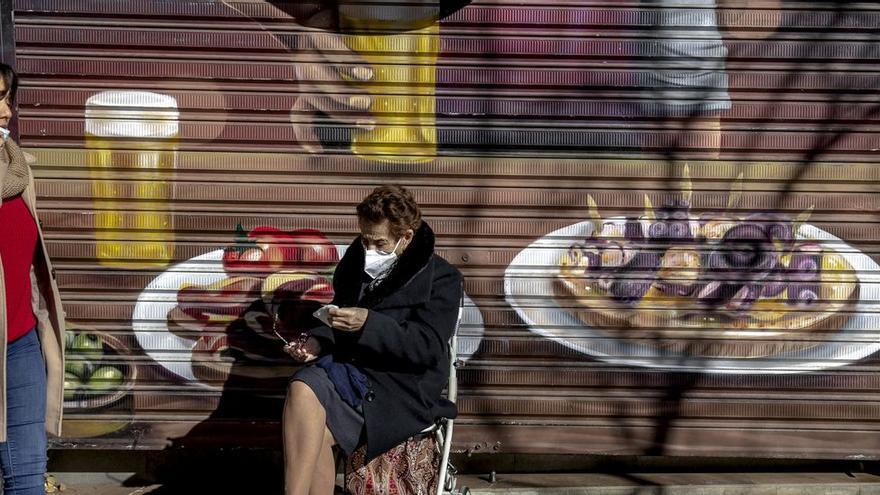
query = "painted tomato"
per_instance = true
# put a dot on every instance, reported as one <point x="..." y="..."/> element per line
<point x="264" y="250"/>
<point x="312" y="250"/>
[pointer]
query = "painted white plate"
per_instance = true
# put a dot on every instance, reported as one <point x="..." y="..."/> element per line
<point x="150" y="317"/>
<point x="529" y="290"/>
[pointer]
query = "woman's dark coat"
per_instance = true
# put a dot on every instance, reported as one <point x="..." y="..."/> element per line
<point x="403" y="348"/>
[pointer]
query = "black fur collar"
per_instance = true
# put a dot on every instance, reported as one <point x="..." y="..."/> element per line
<point x="414" y="261"/>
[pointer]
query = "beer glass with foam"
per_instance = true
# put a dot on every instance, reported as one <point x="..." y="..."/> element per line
<point x="131" y="138"/>
<point x="400" y="40"/>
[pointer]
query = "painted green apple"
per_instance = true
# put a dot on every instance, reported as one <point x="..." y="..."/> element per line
<point x="105" y="378"/>
<point x="81" y="368"/>
<point x="88" y="345"/>
<point x="72" y="385"/>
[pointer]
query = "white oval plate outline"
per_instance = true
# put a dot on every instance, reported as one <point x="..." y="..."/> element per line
<point x="150" y="324"/>
<point x="539" y="262"/>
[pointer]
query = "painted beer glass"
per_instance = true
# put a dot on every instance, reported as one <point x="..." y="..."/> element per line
<point x="400" y="41"/>
<point x="131" y="138"/>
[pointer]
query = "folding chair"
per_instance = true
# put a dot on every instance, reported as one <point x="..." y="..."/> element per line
<point x="446" y="480"/>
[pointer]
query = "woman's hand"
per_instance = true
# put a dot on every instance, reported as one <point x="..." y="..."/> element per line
<point x="305" y="351"/>
<point x="348" y="319"/>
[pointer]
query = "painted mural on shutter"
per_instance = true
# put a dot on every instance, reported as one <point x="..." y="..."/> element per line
<point x="665" y="210"/>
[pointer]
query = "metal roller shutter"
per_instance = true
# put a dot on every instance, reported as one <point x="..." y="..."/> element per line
<point x="527" y="108"/>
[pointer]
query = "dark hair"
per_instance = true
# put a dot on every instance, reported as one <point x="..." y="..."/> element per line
<point x="10" y="78"/>
<point x="392" y="203"/>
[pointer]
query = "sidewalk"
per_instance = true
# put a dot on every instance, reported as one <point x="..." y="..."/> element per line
<point x="556" y="484"/>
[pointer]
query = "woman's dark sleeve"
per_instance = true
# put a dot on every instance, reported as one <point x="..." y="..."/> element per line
<point x="421" y="341"/>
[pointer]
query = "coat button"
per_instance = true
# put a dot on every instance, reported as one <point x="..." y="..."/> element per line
<point x="371" y="396"/>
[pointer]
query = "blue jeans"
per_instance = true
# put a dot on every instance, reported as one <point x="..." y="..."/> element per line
<point x="23" y="455"/>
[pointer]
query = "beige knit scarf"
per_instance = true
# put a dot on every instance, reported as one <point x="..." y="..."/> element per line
<point x="14" y="178"/>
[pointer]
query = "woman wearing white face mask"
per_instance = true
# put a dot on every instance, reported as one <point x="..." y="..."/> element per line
<point x="377" y="371"/>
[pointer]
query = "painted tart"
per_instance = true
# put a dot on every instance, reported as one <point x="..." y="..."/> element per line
<point x="717" y="284"/>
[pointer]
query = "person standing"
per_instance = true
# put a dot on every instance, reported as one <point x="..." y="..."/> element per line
<point x="31" y="320"/>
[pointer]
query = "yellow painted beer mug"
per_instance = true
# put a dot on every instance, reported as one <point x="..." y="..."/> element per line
<point x="131" y="138"/>
<point x="400" y="41"/>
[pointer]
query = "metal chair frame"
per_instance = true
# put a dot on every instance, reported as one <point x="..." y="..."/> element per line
<point x="446" y="480"/>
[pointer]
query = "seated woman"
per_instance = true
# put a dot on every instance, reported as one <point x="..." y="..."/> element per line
<point x="376" y="373"/>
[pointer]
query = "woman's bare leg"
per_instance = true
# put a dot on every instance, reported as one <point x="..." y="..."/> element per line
<point x="307" y="442"/>
<point x="324" y="479"/>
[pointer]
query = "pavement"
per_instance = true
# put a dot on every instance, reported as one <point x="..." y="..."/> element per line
<point x="726" y="483"/>
<point x="243" y="471"/>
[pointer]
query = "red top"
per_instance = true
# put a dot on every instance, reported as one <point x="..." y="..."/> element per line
<point x="17" y="253"/>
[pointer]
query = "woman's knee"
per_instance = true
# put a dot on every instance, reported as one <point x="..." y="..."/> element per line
<point x="300" y="393"/>
<point x="302" y="405"/>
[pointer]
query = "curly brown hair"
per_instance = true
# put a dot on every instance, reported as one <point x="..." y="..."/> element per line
<point x="392" y="203"/>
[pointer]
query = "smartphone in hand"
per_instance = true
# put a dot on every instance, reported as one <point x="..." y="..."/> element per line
<point x="323" y="313"/>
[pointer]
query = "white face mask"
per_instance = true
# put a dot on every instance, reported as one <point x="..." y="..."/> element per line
<point x="4" y="133"/>
<point x="376" y="262"/>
